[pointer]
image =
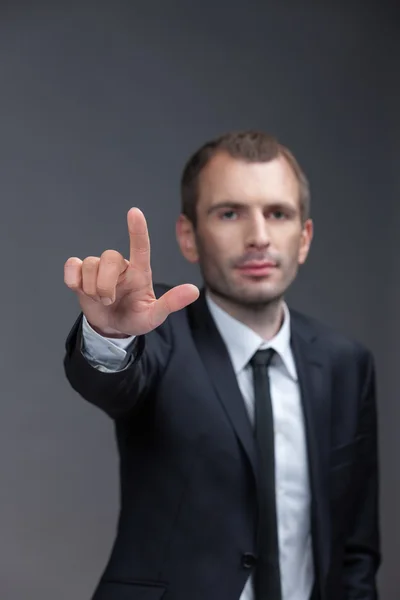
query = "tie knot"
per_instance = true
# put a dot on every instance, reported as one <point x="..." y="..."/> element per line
<point x="262" y="358"/>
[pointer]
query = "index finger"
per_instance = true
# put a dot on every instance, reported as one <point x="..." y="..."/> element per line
<point x="139" y="241"/>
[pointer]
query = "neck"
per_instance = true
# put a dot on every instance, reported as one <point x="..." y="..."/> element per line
<point x="264" y="319"/>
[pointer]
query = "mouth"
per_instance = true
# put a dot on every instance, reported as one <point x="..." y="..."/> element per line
<point x="257" y="269"/>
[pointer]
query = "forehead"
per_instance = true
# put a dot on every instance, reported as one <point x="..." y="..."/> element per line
<point x="232" y="179"/>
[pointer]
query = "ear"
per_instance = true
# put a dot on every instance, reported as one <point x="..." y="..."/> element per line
<point x="305" y="241"/>
<point x="186" y="239"/>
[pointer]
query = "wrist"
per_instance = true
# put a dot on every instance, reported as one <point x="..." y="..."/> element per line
<point x="109" y="333"/>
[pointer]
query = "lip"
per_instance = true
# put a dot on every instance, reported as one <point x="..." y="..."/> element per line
<point x="257" y="268"/>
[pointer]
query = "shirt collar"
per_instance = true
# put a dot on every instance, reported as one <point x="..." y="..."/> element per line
<point x="242" y="342"/>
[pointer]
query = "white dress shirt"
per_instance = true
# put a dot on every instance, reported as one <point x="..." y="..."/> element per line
<point x="292" y="480"/>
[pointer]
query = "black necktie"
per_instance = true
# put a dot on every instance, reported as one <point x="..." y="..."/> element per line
<point x="267" y="581"/>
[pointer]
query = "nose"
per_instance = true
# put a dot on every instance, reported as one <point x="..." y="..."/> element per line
<point x="258" y="234"/>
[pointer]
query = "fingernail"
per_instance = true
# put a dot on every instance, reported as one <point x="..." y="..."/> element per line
<point x="106" y="301"/>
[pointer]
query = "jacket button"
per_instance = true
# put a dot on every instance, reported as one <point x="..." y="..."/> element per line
<point x="248" y="560"/>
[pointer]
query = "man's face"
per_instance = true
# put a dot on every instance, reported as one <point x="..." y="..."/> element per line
<point x="249" y="238"/>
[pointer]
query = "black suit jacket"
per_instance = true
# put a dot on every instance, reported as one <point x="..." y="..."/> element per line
<point x="188" y="517"/>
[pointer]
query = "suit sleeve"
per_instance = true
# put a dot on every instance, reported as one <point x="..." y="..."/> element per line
<point x="117" y="392"/>
<point x="104" y="353"/>
<point x="362" y="551"/>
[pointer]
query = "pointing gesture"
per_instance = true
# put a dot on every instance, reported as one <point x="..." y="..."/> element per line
<point x="116" y="295"/>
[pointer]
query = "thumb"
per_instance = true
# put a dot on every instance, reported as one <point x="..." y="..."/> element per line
<point x="172" y="301"/>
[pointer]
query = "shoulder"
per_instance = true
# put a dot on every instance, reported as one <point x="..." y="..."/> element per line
<point x="339" y="344"/>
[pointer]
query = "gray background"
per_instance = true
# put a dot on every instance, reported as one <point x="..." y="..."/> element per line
<point x="100" y="106"/>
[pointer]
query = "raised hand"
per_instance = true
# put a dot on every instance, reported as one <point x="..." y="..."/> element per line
<point x="116" y="295"/>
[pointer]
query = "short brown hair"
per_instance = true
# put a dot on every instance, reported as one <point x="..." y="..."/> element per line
<point x="249" y="145"/>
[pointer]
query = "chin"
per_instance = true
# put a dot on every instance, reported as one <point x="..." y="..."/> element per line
<point x="252" y="297"/>
<point x="258" y="299"/>
<point x="250" y="292"/>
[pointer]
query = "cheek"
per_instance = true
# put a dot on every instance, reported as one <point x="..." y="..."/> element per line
<point x="208" y="252"/>
<point x="218" y="246"/>
<point x="293" y="250"/>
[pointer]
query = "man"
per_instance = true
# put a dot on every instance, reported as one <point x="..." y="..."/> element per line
<point x="246" y="431"/>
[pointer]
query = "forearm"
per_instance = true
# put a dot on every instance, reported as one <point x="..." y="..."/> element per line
<point x="114" y="383"/>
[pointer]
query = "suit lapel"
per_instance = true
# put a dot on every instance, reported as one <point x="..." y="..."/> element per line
<point x="217" y="362"/>
<point x="312" y="362"/>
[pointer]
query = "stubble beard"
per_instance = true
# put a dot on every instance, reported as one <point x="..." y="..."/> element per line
<point x="220" y="285"/>
<point x="221" y="288"/>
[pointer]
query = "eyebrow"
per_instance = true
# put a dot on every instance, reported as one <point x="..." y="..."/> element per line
<point x="230" y="204"/>
<point x="224" y="204"/>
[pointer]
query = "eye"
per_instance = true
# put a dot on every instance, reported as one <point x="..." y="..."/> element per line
<point x="278" y="215"/>
<point x="229" y="215"/>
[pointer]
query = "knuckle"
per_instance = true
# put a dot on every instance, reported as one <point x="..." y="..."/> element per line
<point x="71" y="262"/>
<point x="90" y="263"/>
<point x="111" y="256"/>
<point x="141" y="249"/>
